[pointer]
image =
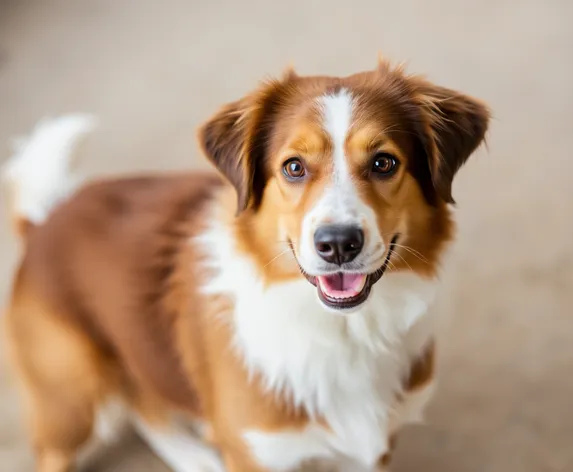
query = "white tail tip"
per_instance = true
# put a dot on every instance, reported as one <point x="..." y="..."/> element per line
<point x="40" y="173"/>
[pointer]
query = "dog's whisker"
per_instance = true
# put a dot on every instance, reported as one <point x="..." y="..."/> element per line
<point x="409" y="248"/>
<point x="415" y="253"/>
<point x="286" y="251"/>
<point x="391" y="266"/>
<point x="405" y="261"/>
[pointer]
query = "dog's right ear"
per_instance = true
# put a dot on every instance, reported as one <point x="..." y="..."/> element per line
<point x="224" y="139"/>
<point x="237" y="137"/>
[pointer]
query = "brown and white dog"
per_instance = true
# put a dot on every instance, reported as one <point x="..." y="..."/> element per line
<point x="280" y="306"/>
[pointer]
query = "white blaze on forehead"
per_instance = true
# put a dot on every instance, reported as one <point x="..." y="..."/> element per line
<point x="340" y="201"/>
<point x="337" y="116"/>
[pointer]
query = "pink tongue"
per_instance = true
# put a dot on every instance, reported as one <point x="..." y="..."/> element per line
<point x="342" y="285"/>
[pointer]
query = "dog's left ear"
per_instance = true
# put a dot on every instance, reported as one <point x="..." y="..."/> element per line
<point x="454" y="126"/>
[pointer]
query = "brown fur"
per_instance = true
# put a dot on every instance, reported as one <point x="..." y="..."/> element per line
<point x="422" y="369"/>
<point x="105" y="301"/>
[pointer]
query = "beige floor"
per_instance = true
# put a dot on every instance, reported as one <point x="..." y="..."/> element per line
<point x="153" y="69"/>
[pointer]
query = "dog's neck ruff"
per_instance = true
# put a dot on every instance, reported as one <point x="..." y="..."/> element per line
<point x="347" y="370"/>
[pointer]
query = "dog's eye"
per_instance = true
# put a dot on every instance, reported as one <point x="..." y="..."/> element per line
<point x="384" y="164"/>
<point x="293" y="169"/>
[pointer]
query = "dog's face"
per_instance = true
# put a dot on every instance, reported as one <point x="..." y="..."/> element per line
<point x="351" y="174"/>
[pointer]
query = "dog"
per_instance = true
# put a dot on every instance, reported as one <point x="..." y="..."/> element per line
<point x="267" y="315"/>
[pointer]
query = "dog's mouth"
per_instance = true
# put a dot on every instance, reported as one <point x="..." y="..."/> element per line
<point x="345" y="291"/>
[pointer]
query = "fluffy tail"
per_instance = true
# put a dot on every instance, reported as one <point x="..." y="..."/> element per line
<point x="41" y="174"/>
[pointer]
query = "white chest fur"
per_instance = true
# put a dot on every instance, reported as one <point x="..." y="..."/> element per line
<point x="345" y="369"/>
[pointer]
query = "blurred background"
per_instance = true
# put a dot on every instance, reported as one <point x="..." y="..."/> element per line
<point x="153" y="70"/>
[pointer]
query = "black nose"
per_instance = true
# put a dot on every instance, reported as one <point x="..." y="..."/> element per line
<point x="338" y="243"/>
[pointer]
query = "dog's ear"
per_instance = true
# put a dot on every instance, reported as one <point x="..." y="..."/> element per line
<point x="236" y="139"/>
<point x="224" y="139"/>
<point x="454" y="126"/>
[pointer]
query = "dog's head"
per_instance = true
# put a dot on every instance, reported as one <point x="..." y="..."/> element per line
<point x="344" y="176"/>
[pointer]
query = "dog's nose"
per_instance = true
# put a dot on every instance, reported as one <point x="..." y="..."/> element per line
<point x="338" y="243"/>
